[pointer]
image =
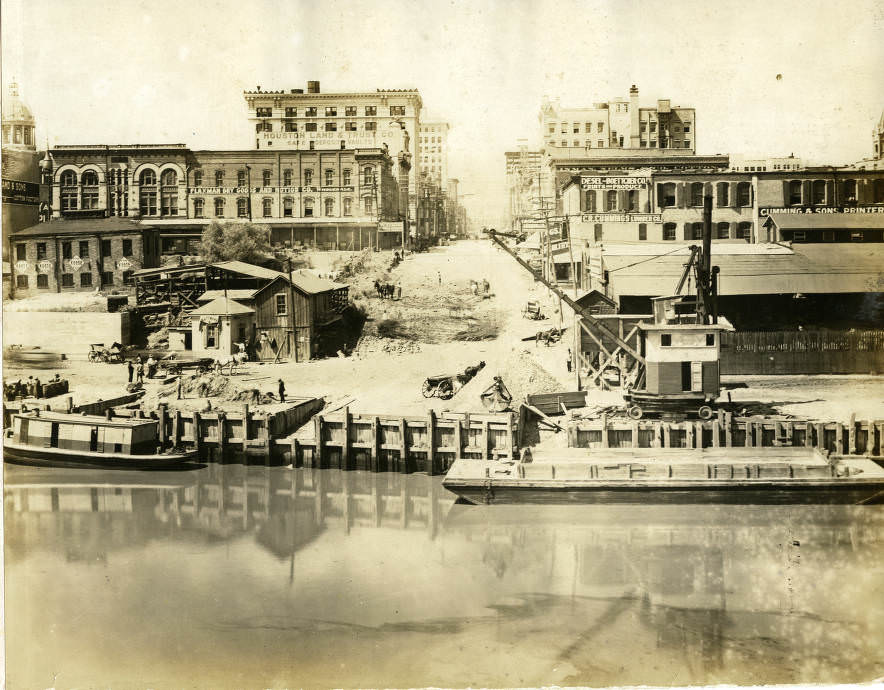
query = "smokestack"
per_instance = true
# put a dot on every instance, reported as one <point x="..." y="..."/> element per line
<point x="312" y="87"/>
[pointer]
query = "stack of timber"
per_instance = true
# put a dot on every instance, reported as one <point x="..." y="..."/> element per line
<point x="853" y="438"/>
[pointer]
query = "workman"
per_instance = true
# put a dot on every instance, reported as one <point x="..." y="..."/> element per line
<point x="139" y="372"/>
<point x="569" y="360"/>
<point x="151" y="366"/>
<point x="131" y="368"/>
<point x="281" y="391"/>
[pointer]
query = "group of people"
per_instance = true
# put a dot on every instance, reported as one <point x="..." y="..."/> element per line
<point x="137" y="368"/>
<point x="388" y="290"/>
<point x="32" y="388"/>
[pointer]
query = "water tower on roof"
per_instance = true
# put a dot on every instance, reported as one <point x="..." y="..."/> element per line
<point x="18" y="122"/>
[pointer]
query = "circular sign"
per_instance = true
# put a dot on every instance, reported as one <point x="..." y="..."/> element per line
<point x="21" y="266"/>
<point x="44" y="266"/>
<point x="124" y="263"/>
<point x="76" y="263"/>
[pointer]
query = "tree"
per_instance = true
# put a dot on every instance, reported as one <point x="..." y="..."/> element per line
<point x="234" y="242"/>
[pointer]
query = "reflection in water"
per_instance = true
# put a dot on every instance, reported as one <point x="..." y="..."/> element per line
<point x="245" y="576"/>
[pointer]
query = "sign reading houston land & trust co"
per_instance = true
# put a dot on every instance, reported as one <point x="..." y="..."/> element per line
<point x="606" y="182"/>
<point x="622" y="218"/>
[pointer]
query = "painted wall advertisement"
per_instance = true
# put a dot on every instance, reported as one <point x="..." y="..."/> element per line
<point x="611" y="182"/>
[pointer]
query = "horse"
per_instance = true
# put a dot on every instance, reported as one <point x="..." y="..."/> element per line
<point x="232" y="360"/>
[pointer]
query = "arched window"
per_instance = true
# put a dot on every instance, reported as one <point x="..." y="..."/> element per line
<point x="744" y="231"/>
<point x="850" y="192"/>
<point x="723" y="231"/>
<point x="287" y="177"/>
<point x="697" y="194"/>
<point x="345" y="177"/>
<point x="219" y="206"/>
<point x="267" y="207"/>
<point x="197" y="178"/>
<point x="666" y="194"/>
<point x="90" y="178"/>
<point x="818" y="192"/>
<point x="878" y="195"/>
<point x="329" y="177"/>
<point x="308" y="207"/>
<point x="348" y="206"/>
<point x="89" y="190"/>
<point x="242" y="207"/>
<point x="265" y="178"/>
<point x="368" y="205"/>
<point x="287" y="207"/>
<point x="611" y="200"/>
<point x="69" y="178"/>
<point x="148" y="193"/>
<point x="219" y="180"/>
<point x="590" y="200"/>
<point x="69" y="195"/>
<point x="368" y="175"/>
<point x="795" y="193"/>
<point x="169" y="178"/>
<point x="329" y="207"/>
<point x="744" y="195"/>
<point x="198" y="208"/>
<point x="308" y="177"/>
<point x="169" y="193"/>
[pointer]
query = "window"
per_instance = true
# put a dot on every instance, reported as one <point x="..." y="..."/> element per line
<point x="69" y="178"/>
<point x="66" y="250"/>
<point x="310" y="127"/>
<point x="281" y="309"/>
<point x="878" y="195"/>
<point x="687" y="127"/>
<point x="368" y="174"/>
<point x="331" y="126"/>
<point x="666" y="194"/>
<point x="552" y="127"/>
<point x="371" y="110"/>
<point x="90" y="178"/>
<point x="265" y="178"/>
<point x="697" y="194"/>
<point x="371" y="126"/>
<point x="267" y="207"/>
<point x="219" y="208"/>
<point x="21" y="281"/>
<point x="127" y="247"/>
<point x="107" y="278"/>
<point x="331" y="111"/>
<point x="291" y="112"/>
<point x="212" y="335"/>
<point x="329" y="207"/>
<point x="850" y="192"/>
<point x="169" y="200"/>
<point x="197" y="178"/>
<point x="240" y="178"/>
<point x="287" y="207"/>
<point x="198" y="208"/>
<point x="598" y="232"/>
<point x="368" y="205"/>
<point x="308" y="207"/>
<point x="69" y="199"/>
<point x="67" y="280"/>
<point x="693" y="231"/>
<point x="744" y="231"/>
<point x="84" y="249"/>
<point x="632" y="200"/>
<point x="653" y="125"/>
<point x="290" y="126"/>
<point x="795" y="193"/>
<point x="397" y="110"/>
<point x="589" y="203"/>
<point x="642" y="231"/>
<point x="799" y="236"/>
<point x="744" y="194"/>
<point x="723" y="231"/>
<point x="105" y="247"/>
<point x="666" y="339"/>
<point x="818" y="192"/>
<point x="219" y="178"/>
<point x="127" y="278"/>
<point x="611" y="200"/>
<point x="264" y="112"/>
<point x="287" y="177"/>
<point x="576" y="128"/>
<point x="21" y="252"/>
<point x="310" y="112"/>
<point x="564" y="143"/>
<point x="350" y="110"/>
<point x="41" y="251"/>
<point x="710" y="340"/>
<point x="723" y="196"/>
<point x="345" y="177"/>
<point x="42" y="280"/>
<point x="329" y="177"/>
<point x="308" y="176"/>
<point x="669" y="231"/>
<point x="85" y="280"/>
<point x="348" y="206"/>
<point x="242" y="207"/>
<point x="687" y="143"/>
<point x="600" y="127"/>
<point x="350" y="126"/>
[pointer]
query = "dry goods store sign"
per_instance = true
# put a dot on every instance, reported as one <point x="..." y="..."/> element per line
<point x="611" y="182"/>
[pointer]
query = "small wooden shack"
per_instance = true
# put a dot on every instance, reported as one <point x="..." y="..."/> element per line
<point x="217" y="326"/>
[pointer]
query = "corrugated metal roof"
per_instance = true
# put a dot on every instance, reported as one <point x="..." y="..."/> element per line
<point x="312" y="284"/>
<point x="222" y="306"/>
<point x="828" y="221"/>
<point x="248" y="269"/>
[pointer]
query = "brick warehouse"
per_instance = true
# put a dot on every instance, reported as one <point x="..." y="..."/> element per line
<point x="81" y="255"/>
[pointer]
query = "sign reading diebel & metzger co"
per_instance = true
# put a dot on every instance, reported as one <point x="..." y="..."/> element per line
<point x="610" y="182"/>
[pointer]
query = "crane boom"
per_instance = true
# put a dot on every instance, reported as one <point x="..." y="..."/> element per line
<point x="589" y="319"/>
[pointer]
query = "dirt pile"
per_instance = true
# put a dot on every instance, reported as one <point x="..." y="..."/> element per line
<point x="369" y="344"/>
<point x="523" y="376"/>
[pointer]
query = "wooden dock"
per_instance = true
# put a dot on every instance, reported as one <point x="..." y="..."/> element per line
<point x="854" y="438"/>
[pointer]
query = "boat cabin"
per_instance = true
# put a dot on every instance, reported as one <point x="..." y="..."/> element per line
<point x="682" y="354"/>
<point x="85" y="433"/>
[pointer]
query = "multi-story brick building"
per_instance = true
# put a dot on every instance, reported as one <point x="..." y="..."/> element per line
<point x="81" y="255"/>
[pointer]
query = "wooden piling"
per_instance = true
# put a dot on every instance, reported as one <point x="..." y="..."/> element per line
<point x="716" y="431"/>
<point x="345" y="441"/>
<point x="375" y="444"/>
<point x="634" y="436"/>
<point x="246" y="418"/>
<point x="851" y="435"/>
<point x="728" y="430"/>
<point x="294" y="454"/>
<point x="69" y="404"/>
<point x="604" y="430"/>
<point x="222" y="436"/>
<point x="458" y="439"/>
<point x="162" y="424"/>
<point x="749" y="434"/>
<point x="688" y="435"/>
<point x="820" y="436"/>
<point x="403" y="447"/>
<point x="317" y="445"/>
<point x="176" y="428"/>
<point x="197" y="435"/>
<point x="431" y="442"/>
<point x="510" y="436"/>
<point x="486" y="454"/>
<point x="839" y="438"/>
<point x="666" y="435"/>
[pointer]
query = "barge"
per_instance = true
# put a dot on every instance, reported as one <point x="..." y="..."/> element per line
<point x="56" y="439"/>
<point x="787" y="475"/>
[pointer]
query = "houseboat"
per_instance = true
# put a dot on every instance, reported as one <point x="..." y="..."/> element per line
<point x="789" y="475"/>
<point x="57" y="439"/>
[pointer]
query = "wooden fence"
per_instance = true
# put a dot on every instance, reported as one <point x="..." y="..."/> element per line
<point x="855" y="437"/>
<point x="803" y="352"/>
<point x="403" y="444"/>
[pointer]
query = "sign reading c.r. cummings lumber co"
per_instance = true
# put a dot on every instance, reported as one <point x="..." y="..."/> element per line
<point x="621" y="218"/>
<point x="610" y="182"/>
<point x="15" y="192"/>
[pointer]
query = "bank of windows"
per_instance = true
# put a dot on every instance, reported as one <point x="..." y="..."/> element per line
<point x="288" y="207"/>
<point x="329" y="207"/>
<point x="346" y="177"/>
<point x="329" y="177"/>
<point x="309" y="126"/>
<point x="197" y="178"/>
<point x="308" y="176"/>
<point x="219" y="208"/>
<point x="371" y="126"/>
<point x="199" y="208"/>
<point x="331" y="126"/>
<point x="264" y="112"/>
<point x="266" y="178"/>
<point x="242" y="208"/>
<point x="308" y="207"/>
<point x="397" y="110"/>
<point x="310" y="112"/>
<point x="287" y="177"/>
<point x="348" y="206"/>
<point x="267" y="207"/>
<point x="371" y="110"/>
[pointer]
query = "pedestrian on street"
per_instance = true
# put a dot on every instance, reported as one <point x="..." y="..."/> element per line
<point x="281" y="391"/>
<point x="131" y="368"/>
<point x="569" y="360"/>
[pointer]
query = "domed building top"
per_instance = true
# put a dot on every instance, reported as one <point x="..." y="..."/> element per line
<point x="18" y="122"/>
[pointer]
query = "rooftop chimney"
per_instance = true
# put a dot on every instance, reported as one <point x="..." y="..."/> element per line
<point x="634" y="136"/>
<point x="312" y="87"/>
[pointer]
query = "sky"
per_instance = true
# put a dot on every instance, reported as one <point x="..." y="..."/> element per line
<point x="133" y="71"/>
